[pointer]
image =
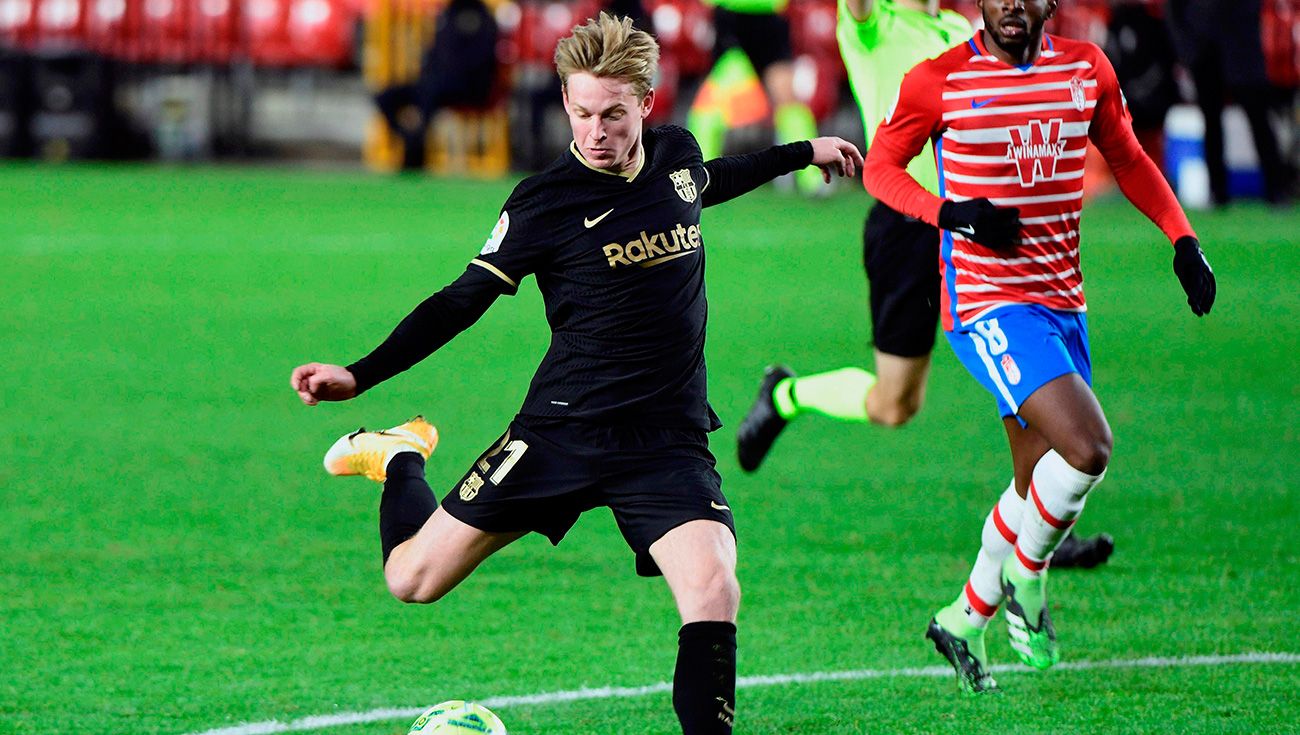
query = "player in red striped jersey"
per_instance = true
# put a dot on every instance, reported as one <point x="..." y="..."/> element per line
<point x="1010" y="114"/>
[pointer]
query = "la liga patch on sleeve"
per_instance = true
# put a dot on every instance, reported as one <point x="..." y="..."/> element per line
<point x="498" y="234"/>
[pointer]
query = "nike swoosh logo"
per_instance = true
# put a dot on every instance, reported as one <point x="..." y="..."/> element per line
<point x="976" y="105"/>
<point x="967" y="230"/>
<point x="715" y="506"/>
<point x="590" y="223"/>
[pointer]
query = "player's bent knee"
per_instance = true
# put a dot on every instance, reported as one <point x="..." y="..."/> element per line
<point x="893" y="415"/>
<point x="412" y="586"/>
<point x="894" y="407"/>
<point x="1091" y="457"/>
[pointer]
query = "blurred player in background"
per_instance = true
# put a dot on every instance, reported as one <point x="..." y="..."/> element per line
<point x="753" y="37"/>
<point x="1011" y="112"/>
<point x="880" y="41"/>
<point x="459" y="68"/>
<point x="617" y="413"/>
<point x="1219" y="43"/>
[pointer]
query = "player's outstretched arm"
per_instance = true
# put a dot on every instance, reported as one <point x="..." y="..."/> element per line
<point x="317" y="381"/>
<point x="733" y="176"/>
<point x="428" y="327"/>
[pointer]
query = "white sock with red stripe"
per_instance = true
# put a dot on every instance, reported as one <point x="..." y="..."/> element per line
<point x="983" y="592"/>
<point x="1056" y="498"/>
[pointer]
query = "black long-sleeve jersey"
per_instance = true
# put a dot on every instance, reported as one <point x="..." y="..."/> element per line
<point x="619" y="260"/>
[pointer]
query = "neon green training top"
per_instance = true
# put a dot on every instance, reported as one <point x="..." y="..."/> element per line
<point x="750" y="7"/>
<point x="879" y="50"/>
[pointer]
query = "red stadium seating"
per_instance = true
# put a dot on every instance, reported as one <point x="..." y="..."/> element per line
<point x="1281" y="36"/>
<point x="320" y="32"/>
<point x="508" y="17"/>
<point x="819" y="70"/>
<point x="543" y="24"/>
<point x="165" y="31"/>
<point x="684" y="29"/>
<point x="214" y="30"/>
<point x="113" y="28"/>
<point x="266" y="32"/>
<point x="17" y="23"/>
<point x="59" y="24"/>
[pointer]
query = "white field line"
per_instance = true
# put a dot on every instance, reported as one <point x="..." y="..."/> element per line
<point x="318" y="722"/>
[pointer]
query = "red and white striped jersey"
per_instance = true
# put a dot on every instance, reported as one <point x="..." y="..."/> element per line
<point x="1018" y="136"/>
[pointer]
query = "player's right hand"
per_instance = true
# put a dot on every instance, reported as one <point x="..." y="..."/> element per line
<point x="317" y="381"/>
<point x="1195" y="274"/>
<point x="980" y="220"/>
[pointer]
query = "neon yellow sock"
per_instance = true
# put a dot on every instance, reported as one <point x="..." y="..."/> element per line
<point x="794" y="121"/>
<point x="840" y="394"/>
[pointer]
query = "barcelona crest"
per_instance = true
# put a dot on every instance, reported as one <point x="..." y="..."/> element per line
<point x="684" y="185"/>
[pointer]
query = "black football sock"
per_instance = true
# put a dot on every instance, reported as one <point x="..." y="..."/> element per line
<point x="704" y="684"/>
<point x="407" y="501"/>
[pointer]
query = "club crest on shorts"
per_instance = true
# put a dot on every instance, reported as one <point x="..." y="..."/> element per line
<point x="1078" y="95"/>
<point x="1009" y="367"/>
<point x="470" y="487"/>
<point x="684" y="185"/>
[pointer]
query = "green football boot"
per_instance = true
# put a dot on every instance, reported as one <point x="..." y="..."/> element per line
<point x="963" y="645"/>
<point x="1028" y="623"/>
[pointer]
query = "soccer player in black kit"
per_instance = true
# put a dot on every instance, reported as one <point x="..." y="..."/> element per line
<point x="617" y="413"/>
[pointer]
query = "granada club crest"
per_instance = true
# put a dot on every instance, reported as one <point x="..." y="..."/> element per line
<point x="1078" y="95"/>
<point x="1011" y="369"/>
<point x="684" y="185"/>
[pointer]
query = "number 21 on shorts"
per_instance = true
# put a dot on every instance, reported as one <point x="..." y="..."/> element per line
<point x="514" y="451"/>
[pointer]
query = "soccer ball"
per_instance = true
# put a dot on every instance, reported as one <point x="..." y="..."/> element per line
<point x="457" y="717"/>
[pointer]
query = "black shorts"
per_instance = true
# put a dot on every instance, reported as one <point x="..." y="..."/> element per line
<point x="901" y="255"/>
<point x="543" y="473"/>
<point x="764" y="37"/>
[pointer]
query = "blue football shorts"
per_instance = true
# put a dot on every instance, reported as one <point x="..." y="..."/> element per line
<point x="1019" y="348"/>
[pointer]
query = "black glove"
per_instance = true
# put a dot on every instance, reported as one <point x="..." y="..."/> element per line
<point x="1195" y="274"/>
<point x="980" y="220"/>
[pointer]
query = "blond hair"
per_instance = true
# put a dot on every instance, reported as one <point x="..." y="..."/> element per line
<point x="609" y="46"/>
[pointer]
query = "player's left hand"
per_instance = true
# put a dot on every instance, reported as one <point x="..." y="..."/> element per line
<point x="832" y="154"/>
<point x="1195" y="274"/>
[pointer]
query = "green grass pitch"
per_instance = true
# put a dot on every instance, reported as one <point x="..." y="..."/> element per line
<point x="173" y="558"/>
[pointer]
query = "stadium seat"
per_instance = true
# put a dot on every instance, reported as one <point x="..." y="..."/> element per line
<point x="817" y="83"/>
<point x="113" y="28"/>
<point x="214" y="30"/>
<point x="819" y="71"/>
<point x="59" y="25"/>
<point x="165" y="31"/>
<point x="667" y="88"/>
<point x="17" y="23"/>
<point x="1085" y="20"/>
<point x="509" y="16"/>
<point x="1281" y="38"/>
<point x="685" y="32"/>
<point x="812" y="28"/>
<point x="266" y="31"/>
<point x="320" y="32"/>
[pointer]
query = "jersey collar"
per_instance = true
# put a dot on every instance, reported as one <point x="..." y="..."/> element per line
<point x="977" y="44"/>
<point x="640" y="163"/>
